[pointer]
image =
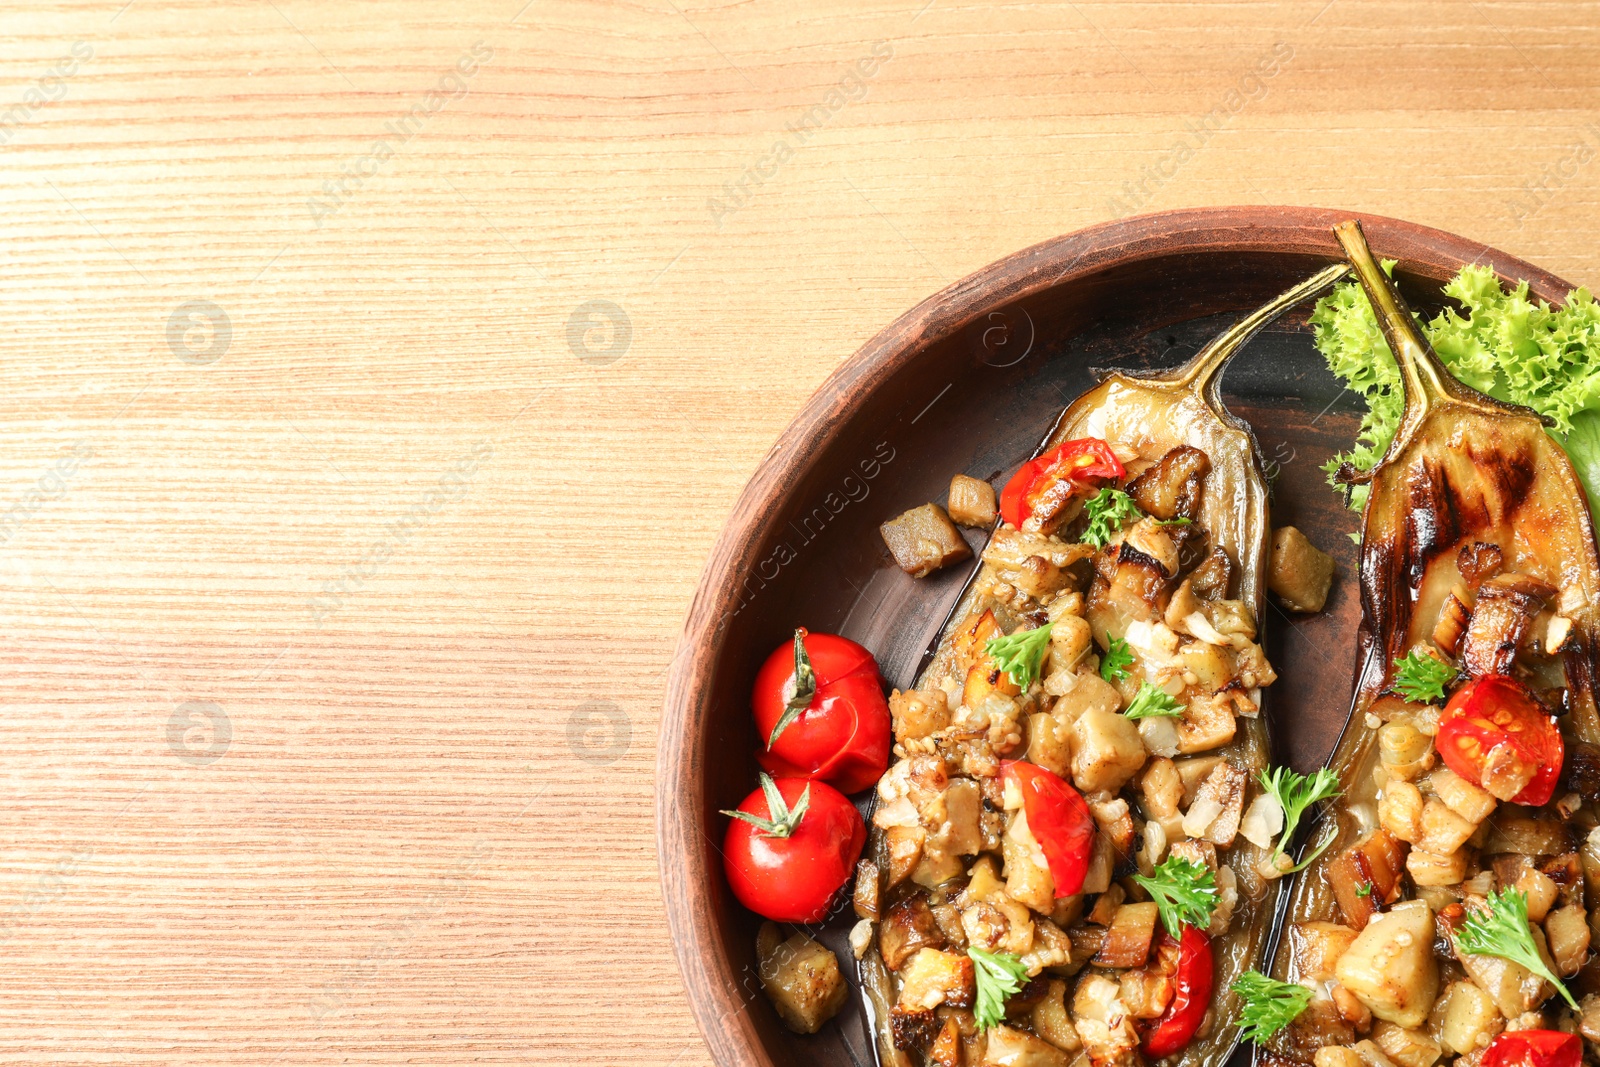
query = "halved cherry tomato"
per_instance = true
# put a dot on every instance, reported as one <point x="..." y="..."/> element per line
<point x="1534" y="1048"/>
<point x="1059" y="820"/>
<point x="1086" y="462"/>
<point x="1191" y="997"/>
<point x="1493" y="731"/>
<point x="842" y="735"/>
<point x="793" y="878"/>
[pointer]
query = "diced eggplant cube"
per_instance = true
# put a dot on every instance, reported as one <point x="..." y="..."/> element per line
<point x="1390" y="966"/>
<point x="911" y="1031"/>
<point x="918" y="713"/>
<point x="1299" y="572"/>
<point x="971" y="501"/>
<point x="923" y="540"/>
<point x="803" y="981"/>
<point x="1127" y="943"/>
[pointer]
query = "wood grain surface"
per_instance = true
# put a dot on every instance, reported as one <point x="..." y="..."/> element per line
<point x="378" y="376"/>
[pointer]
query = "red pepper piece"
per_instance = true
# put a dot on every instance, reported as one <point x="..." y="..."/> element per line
<point x="1534" y="1048"/>
<point x="1059" y="820"/>
<point x="1086" y="462"/>
<point x="1192" y="995"/>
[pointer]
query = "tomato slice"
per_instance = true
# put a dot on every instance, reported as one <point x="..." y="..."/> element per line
<point x="1191" y="997"/>
<point x="1534" y="1048"/>
<point x="1059" y="820"/>
<point x="1086" y="462"/>
<point x="1496" y="734"/>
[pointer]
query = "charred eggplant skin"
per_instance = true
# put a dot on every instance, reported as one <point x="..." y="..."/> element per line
<point x="1151" y="416"/>
<point x="1465" y="469"/>
<point x="1468" y="484"/>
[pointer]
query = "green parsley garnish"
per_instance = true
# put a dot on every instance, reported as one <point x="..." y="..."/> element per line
<point x="1021" y="654"/>
<point x="1421" y="678"/>
<point x="1184" y="892"/>
<point x="1115" y="663"/>
<point x="1501" y="929"/>
<point x="805" y="688"/>
<point x="1364" y="890"/>
<point x="1150" y="700"/>
<point x="1000" y="975"/>
<point x="1107" y="511"/>
<point x="1295" y="793"/>
<point x="1268" y="1005"/>
<point x="783" y="819"/>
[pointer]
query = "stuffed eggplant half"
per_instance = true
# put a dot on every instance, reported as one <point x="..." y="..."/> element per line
<point x="1076" y="851"/>
<point x="1449" y="911"/>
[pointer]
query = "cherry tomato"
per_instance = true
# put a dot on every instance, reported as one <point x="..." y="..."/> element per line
<point x="1086" y="462"/>
<point x="1191" y="996"/>
<point x="1497" y="712"/>
<point x="842" y="735"/>
<point x="793" y="874"/>
<point x="1059" y="820"/>
<point x="1534" y="1048"/>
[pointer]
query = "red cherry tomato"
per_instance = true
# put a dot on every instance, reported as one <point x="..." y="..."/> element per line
<point x="843" y="735"/>
<point x="1192" y="995"/>
<point x="1534" y="1048"/>
<point x="1087" y="462"/>
<point x="793" y="879"/>
<point x="1059" y="820"/>
<point x="1499" y="712"/>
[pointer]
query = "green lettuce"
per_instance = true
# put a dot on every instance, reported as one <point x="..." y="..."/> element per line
<point x="1502" y="343"/>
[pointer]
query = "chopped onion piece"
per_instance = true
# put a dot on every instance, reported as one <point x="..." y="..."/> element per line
<point x="1263" y="821"/>
<point x="1018" y="831"/>
<point x="1200" y="626"/>
<point x="1202" y="813"/>
<point x="899" y="812"/>
<point x="1152" y="640"/>
<point x="1555" y="634"/>
<point x="861" y="938"/>
<point x="1160" y="735"/>
<point x="1155" y="846"/>
<point x="1061" y="681"/>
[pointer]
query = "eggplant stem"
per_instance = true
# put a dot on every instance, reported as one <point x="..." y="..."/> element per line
<point x="1422" y="375"/>
<point x="1203" y="372"/>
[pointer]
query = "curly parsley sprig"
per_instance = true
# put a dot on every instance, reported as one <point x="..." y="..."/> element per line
<point x="1151" y="701"/>
<point x="1184" y="892"/>
<point x="1501" y="929"/>
<point x="1268" y="1005"/>
<point x="1295" y="793"/>
<point x="1021" y="654"/>
<point x="1115" y="663"/>
<point x="1107" y="511"/>
<point x="1421" y="678"/>
<point x="1000" y="975"/>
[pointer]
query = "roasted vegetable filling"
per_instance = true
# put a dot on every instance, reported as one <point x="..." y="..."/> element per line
<point x="1463" y="911"/>
<point x="1053" y="836"/>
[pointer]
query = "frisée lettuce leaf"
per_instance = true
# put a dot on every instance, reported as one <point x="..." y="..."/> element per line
<point x="1504" y="343"/>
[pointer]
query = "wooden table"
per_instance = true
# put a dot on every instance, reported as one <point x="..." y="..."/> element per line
<point x="378" y="376"/>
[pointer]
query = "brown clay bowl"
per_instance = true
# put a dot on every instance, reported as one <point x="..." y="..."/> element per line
<point x="970" y="381"/>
